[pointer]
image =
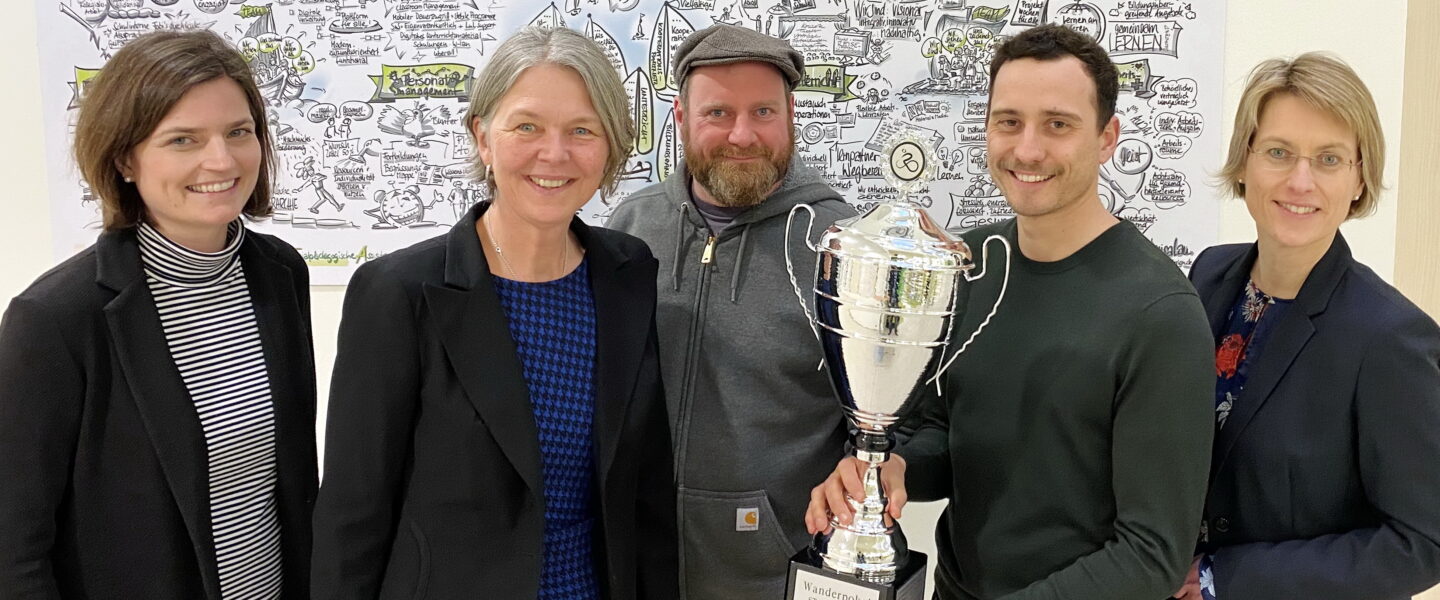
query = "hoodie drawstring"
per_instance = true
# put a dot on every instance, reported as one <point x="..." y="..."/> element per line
<point x="739" y="260"/>
<point x="679" y="244"/>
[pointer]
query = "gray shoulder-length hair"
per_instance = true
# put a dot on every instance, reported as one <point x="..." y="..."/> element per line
<point x="563" y="47"/>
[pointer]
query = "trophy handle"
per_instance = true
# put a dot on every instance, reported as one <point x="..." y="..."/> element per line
<point x="790" y="268"/>
<point x="1003" y="284"/>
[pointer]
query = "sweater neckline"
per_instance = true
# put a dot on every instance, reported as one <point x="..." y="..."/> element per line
<point x="1108" y="238"/>
<point x="171" y="263"/>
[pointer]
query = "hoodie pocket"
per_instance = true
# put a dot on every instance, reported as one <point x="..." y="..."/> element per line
<point x="732" y="545"/>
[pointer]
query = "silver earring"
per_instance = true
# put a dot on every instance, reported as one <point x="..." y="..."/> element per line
<point x="487" y="173"/>
<point x="129" y="180"/>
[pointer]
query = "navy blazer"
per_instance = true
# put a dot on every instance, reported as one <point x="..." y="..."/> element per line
<point x="1325" y="479"/>
<point x="104" y="487"/>
<point x="433" y="485"/>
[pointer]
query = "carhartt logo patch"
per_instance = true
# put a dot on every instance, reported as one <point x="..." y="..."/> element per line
<point x="747" y="519"/>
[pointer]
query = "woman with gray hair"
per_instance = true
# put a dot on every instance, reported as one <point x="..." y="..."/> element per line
<point x="496" y="424"/>
<point x="1323" y="477"/>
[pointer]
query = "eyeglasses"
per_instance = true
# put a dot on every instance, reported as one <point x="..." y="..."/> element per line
<point x="1276" y="158"/>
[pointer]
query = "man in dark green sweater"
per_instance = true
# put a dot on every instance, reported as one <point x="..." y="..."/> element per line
<point x="1073" y="437"/>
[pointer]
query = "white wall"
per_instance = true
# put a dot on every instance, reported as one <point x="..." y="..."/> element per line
<point x="1370" y="35"/>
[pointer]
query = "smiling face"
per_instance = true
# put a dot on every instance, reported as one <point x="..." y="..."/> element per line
<point x="1300" y="206"/>
<point x="197" y="169"/>
<point x="736" y="127"/>
<point x="1045" y="146"/>
<point x="545" y="145"/>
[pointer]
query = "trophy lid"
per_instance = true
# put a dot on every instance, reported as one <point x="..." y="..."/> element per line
<point x="899" y="233"/>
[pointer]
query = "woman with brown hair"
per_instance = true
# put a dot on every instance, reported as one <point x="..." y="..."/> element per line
<point x="157" y="391"/>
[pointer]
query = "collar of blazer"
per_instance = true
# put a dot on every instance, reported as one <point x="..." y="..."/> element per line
<point x="473" y="331"/>
<point x="1286" y="340"/>
<point x="168" y="413"/>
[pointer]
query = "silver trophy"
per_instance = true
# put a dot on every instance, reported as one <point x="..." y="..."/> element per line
<point x="885" y="290"/>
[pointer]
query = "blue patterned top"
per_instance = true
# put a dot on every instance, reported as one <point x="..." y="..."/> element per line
<point x="1251" y="320"/>
<point x="553" y="325"/>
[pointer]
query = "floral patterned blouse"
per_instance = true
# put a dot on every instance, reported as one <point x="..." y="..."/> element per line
<point x="1251" y="320"/>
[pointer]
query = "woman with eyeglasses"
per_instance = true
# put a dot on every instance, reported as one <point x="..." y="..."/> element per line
<point x="1326" y="468"/>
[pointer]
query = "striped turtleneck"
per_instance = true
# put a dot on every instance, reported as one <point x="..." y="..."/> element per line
<point x="209" y="324"/>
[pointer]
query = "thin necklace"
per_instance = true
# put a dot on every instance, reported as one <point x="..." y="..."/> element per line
<point x="564" y="260"/>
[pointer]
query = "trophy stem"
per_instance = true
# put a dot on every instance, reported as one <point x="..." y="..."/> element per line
<point x="864" y="547"/>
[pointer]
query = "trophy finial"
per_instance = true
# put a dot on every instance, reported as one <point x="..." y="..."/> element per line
<point x="910" y="161"/>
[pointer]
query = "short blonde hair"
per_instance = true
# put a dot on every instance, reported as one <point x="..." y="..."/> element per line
<point x="532" y="46"/>
<point x="1326" y="83"/>
<point x="134" y="91"/>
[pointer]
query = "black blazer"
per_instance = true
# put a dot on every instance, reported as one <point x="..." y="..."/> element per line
<point x="104" y="491"/>
<point x="1325" y="480"/>
<point x="432" y="484"/>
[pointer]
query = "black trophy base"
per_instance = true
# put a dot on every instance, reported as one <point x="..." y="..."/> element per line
<point x="810" y="581"/>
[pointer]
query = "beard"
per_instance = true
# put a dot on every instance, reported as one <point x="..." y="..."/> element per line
<point x="738" y="184"/>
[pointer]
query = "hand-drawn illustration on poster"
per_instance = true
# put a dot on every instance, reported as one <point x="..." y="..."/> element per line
<point x="366" y="100"/>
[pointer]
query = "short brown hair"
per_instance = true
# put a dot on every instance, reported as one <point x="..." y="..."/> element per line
<point x="1053" y="42"/>
<point x="134" y="91"/>
<point x="1325" y="82"/>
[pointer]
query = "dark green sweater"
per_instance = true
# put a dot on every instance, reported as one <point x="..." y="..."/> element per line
<point x="1073" y="437"/>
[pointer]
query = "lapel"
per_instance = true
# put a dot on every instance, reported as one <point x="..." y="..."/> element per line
<point x="160" y="396"/>
<point x="285" y="341"/>
<point x="624" y="310"/>
<point x="476" y="340"/>
<point x="1286" y="341"/>
<point x="1232" y="281"/>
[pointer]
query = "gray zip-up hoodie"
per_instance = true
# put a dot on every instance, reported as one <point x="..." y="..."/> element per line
<point x="755" y="425"/>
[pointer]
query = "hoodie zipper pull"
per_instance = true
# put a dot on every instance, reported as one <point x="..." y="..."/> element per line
<point x="709" y="254"/>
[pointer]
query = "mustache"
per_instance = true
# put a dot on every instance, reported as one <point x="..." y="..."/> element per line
<point x="738" y="152"/>
<point x="1010" y="165"/>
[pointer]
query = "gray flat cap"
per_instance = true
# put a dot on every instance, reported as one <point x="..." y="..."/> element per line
<point x="722" y="44"/>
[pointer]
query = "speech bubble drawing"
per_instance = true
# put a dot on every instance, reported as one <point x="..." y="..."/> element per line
<point x="269" y="42"/>
<point x="1132" y="156"/>
<point x="304" y="63"/>
<point x="1166" y="188"/>
<point x="980" y="37"/>
<point x="1172" y="146"/>
<point x="319" y="113"/>
<point x="356" y="110"/>
<point x="953" y="39"/>
<point x="211" y="6"/>
<point x="1082" y="17"/>
<point x="931" y="47"/>
<point x="249" y="47"/>
<point x="290" y="47"/>
<point x="1172" y="93"/>
<point x="969" y="132"/>
<point x="1186" y="123"/>
<point x="977" y="161"/>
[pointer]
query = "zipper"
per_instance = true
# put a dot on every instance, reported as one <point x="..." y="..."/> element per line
<point x="687" y="382"/>
<point x="709" y="253"/>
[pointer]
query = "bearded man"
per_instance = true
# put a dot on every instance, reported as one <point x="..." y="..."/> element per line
<point x="754" y="424"/>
